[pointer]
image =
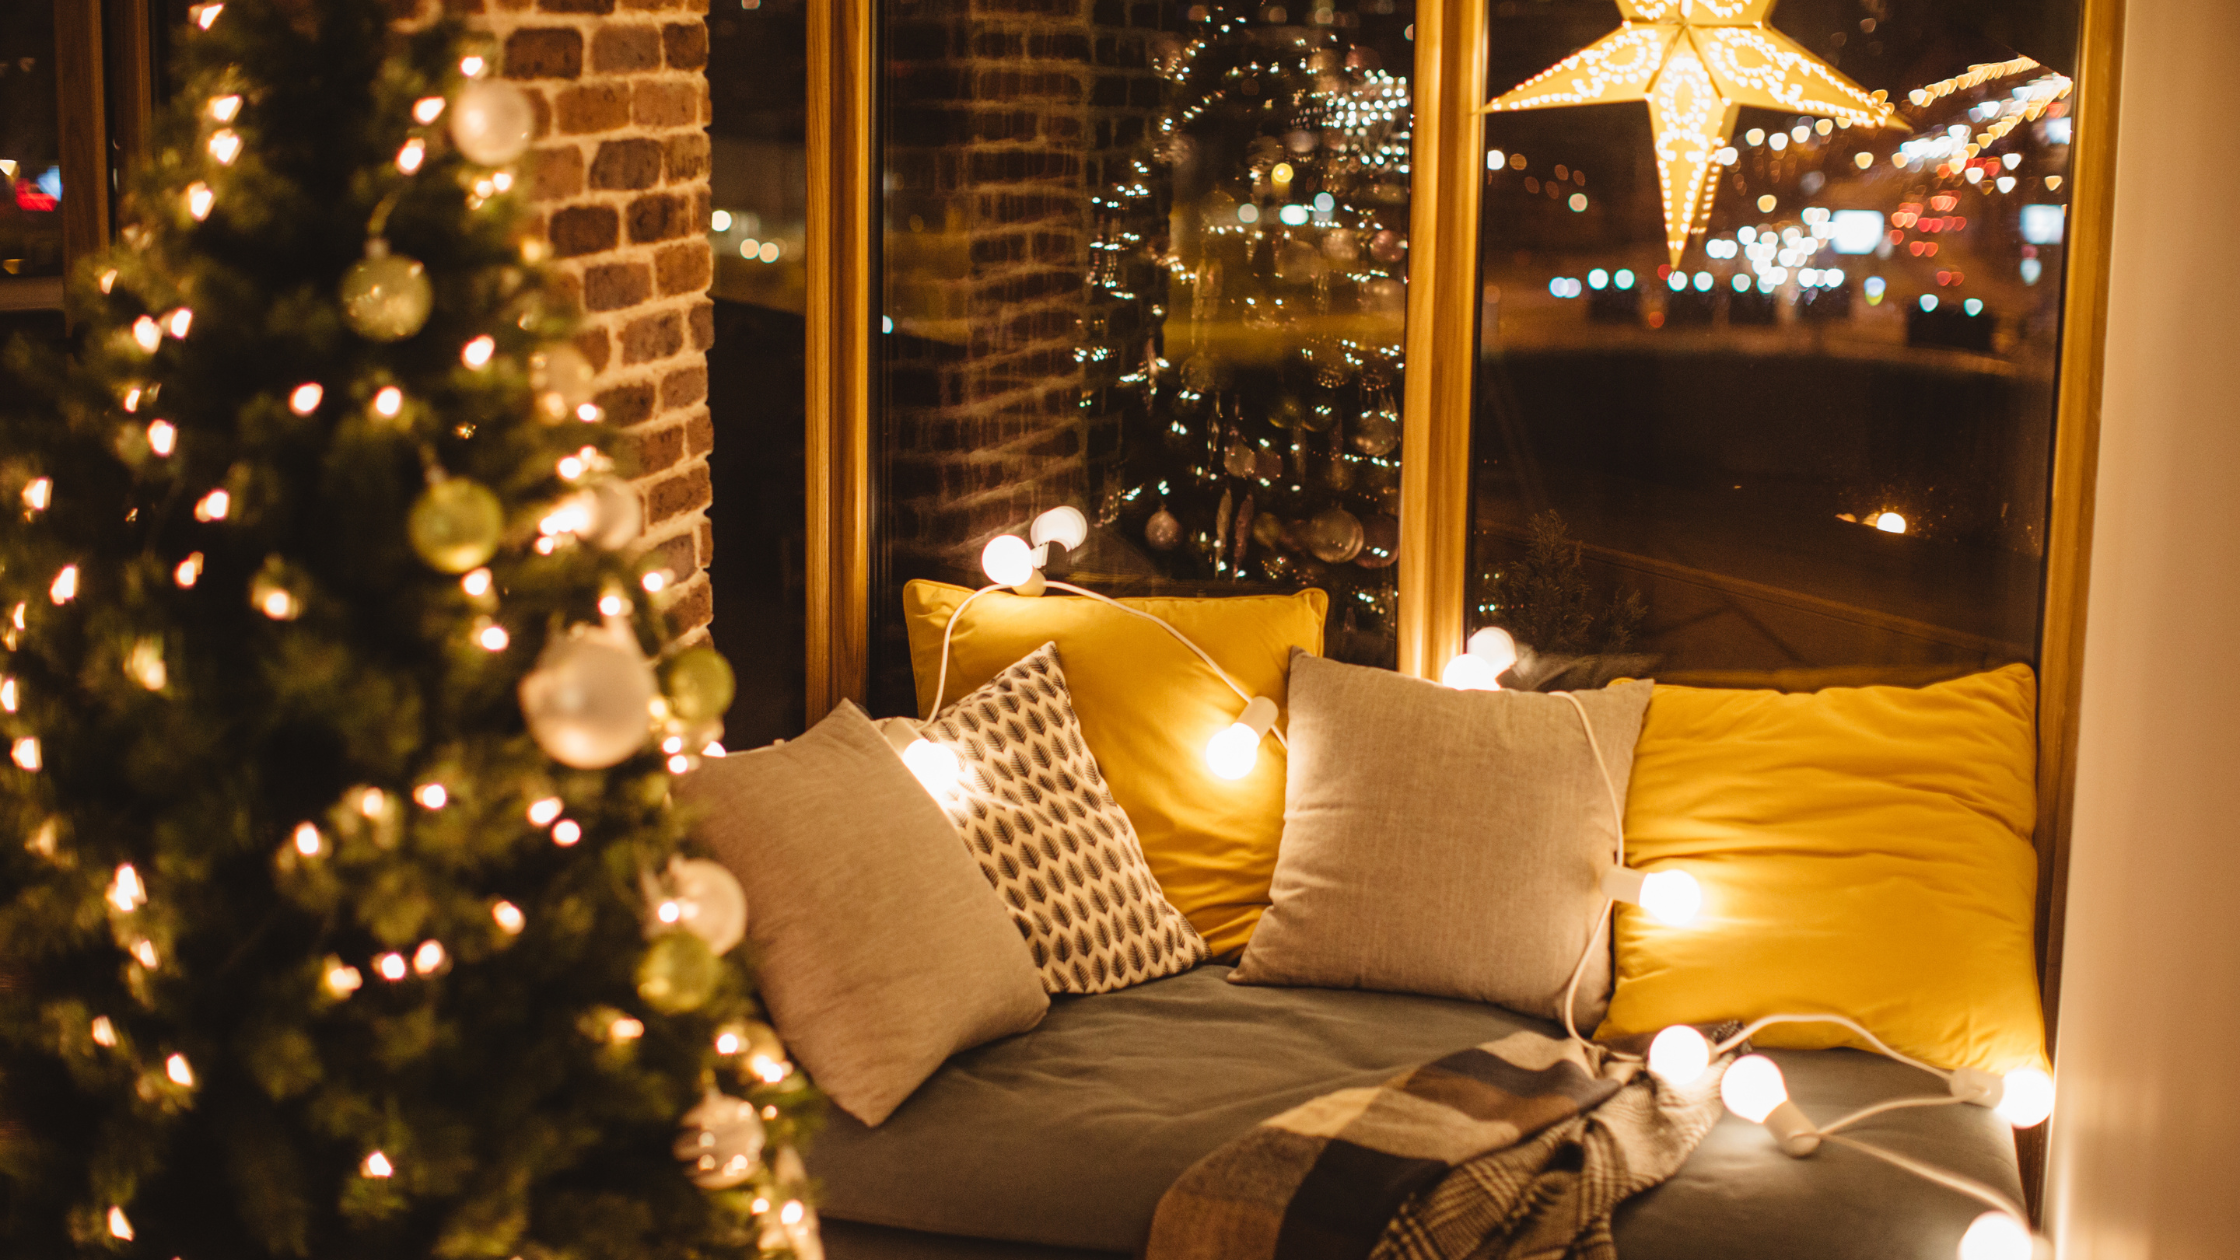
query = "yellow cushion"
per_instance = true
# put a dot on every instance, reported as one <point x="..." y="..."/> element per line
<point x="1147" y="708"/>
<point x="1862" y="850"/>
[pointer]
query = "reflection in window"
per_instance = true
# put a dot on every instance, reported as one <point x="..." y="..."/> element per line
<point x="1771" y="385"/>
<point x="30" y="162"/>
<point x="1148" y="260"/>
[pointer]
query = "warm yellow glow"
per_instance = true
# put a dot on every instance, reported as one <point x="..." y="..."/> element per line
<point x="626" y="1029"/>
<point x="25" y="753"/>
<point x="427" y="109"/>
<point x="472" y="67"/>
<point x="476" y="583"/>
<point x="38" y="493"/>
<point x="612" y="605"/>
<point x="1672" y="897"/>
<point x="308" y="842"/>
<point x="493" y="638"/>
<point x="566" y="832"/>
<point x="1679" y="1055"/>
<point x="306" y="397"/>
<point x="1997" y="1236"/>
<point x="147" y="334"/>
<point x="509" y="918"/>
<point x="1233" y="751"/>
<point x="144" y="664"/>
<point x="126" y="892"/>
<point x="1753" y="1087"/>
<point x="176" y="1068"/>
<point x="541" y="813"/>
<point x="391" y="966"/>
<point x="8" y="700"/>
<point x="654" y="582"/>
<point x="64" y="588"/>
<point x="429" y="957"/>
<point x="199" y="200"/>
<point x="372" y="802"/>
<point x="178" y="322"/>
<point x="1890" y="523"/>
<point x="431" y="795"/>
<point x="414" y="152"/>
<point x="225" y="145"/>
<point x="225" y="108"/>
<point x="104" y="1032"/>
<point x="1696" y="63"/>
<point x="376" y="1165"/>
<point x="935" y="765"/>
<point x="163" y="436"/>
<point x="204" y="16"/>
<point x="2027" y="1098"/>
<point x="145" y="951"/>
<point x="389" y="401"/>
<point x="119" y="1227"/>
<point x="213" y="506"/>
<point x="341" y="980"/>
<point x="189" y="570"/>
<point x="477" y="352"/>
<point x="679" y="764"/>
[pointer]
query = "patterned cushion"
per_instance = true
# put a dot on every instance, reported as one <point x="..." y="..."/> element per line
<point x="1033" y="809"/>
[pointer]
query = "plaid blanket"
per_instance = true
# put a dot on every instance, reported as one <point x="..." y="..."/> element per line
<point x="1521" y="1147"/>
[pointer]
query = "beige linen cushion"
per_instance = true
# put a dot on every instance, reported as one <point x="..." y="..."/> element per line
<point x="879" y="947"/>
<point x="1444" y="842"/>
<point x="1033" y="810"/>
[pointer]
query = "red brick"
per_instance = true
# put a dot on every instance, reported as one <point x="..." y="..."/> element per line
<point x="673" y="554"/>
<point x="684" y="267"/>
<point x="650" y="337"/>
<point x="703" y="322"/>
<point x="699" y="434"/>
<point x="707" y="544"/>
<point x="627" y="164"/>
<point x="592" y="107"/>
<point x="595" y="347"/>
<point x="544" y="52"/>
<point x="674" y="495"/>
<point x="660" y="449"/>
<point x="614" y="286"/>
<point x="564" y="291"/>
<point x="686" y="156"/>
<point x="622" y="49"/>
<point x="659" y="217"/>
<point x="576" y="6"/>
<point x="685" y="44"/>
<point x="559" y="173"/>
<point x="627" y="405"/>
<point x="666" y="104"/>
<point x="649" y="6"/>
<point x="580" y="230"/>
<point x="684" y="387"/>
<point x="694" y="608"/>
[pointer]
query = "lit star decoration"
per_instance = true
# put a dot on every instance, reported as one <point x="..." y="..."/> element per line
<point x="1696" y="63"/>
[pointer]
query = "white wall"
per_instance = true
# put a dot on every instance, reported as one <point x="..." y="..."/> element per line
<point x="2146" y="1146"/>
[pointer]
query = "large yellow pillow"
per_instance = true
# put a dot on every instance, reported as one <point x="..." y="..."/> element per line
<point x="1147" y="708"/>
<point x="1862" y="850"/>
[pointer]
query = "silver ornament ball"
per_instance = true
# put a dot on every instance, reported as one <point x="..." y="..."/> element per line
<point x="722" y="1142"/>
<point x="700" y="897"/>
<point x="588" y="701"/>
<point x="491" y="122"/>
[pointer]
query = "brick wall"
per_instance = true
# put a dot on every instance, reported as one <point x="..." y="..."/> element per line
<point x="1007" y="116"/>
<point x="621" y="179"/>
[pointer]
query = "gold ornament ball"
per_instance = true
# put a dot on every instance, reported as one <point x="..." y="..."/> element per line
<point x="455" y="524"/>
<point x="700" y="684"/>
<point x="385" y="296"/>
<point x="677" y="974"/>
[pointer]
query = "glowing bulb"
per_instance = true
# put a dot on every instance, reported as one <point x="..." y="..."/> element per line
<point x="566" y="832"/>
<point x="1467" y="672"/>
<point x="1233" y="752"/>
<point x="8" y="694"/>
<point x="104" y="1032"/>
<point x="626" y="1029"/>
<point x="372" y="802"/>
<point x="176" y="1068"/>
<point x="472" y="66"/>
<point x="132" y="398"/>
<point x="935" y="765"/>
<point x="225" y="108"/>
<point x="541" y="813"/>
<point x="476" y="583"/>
<point x="307" y="840"/>
<point x="613" y="605"/>
<point x="376" y="1165"/>
<point x="431" y="796"/>
<point x="200" y="199"/>
<point x="654" y="582"/>
<point x="1752" y="1088"/>
<point x="178" y="322"/>
<point x="213" y="506"/>
<point x="1007" y="560"/>
<point x="25" y="753"/>
<point x="493" y="638"/>
<point x="1890" y="523"/>
<point x="163" y="437"/>
<point x="145" y="951"/>
<point x="792" y="1212"/>
<point x="477" y="352"/>
<point x="342" y="980"/>
<point x="1673" y="897"/>
<point x="306" y="398"/>
<point x="428" y="958"/>
<point x="1679" y="1055"/>
<point x="126" y="892"/>
<point x="147" y="334"/>
<point x="1997" y="1236"/>
<point x="427" y="109"/>
<point x="225" y="145"/>
<point x="64" y="588"/>
<point x="1496" y="646"/>
<point x="144" y="664"/>
<point x="389" y="401"/>
<point x="509" y="918"/>
<point x="679" y="764"/>
<point x="569" y="468"/>
<point x="189" y="570"/>
<point x="2027" y="1098"/>
<point x="119" y="1227"/>
<point x="390" y="966"/>
<point x="38" y="493"/>
<point x="278" y="605"/>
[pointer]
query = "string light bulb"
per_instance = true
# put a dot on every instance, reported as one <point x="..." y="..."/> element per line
<point x="1491" y="652"/>
<point x="1679" y="1056"/>
<point x="163" y="437"/>
<point x="934" y="765"/>
<point x="306" y="397"/>
<point x="391" y="967"/>
<point x="213" y="506"/>
<point x="120" y="1228"/>
<point x="509" y="918"/>
<point x="199" y="200"/>
<point x="429" y="958"/>
<point x="2022" y="1098"/>
<point x="204" y="16"/>
<point x="188" y="572"/>
<point x="1233" y="751"/>
<point x="376" y="1165"/>
<point x="427" y="109"/>
<point x="147" y="334"/>
<point x="541" y="813"/>
<point x="25" y="753"/>
<point x="177" y="1069"/>
<point x="64" y="588"/>
<point x="1753" y="1089"/>
<point x="388" y="401"/>
<point x="1997" y="1235"/>
<point x="1671" y="897"/>
<point x="566" y="832"/>
<point x="414" y="152"/>
<point x="38" y="493"/>
<point x="144" y="664"/>
<point x="225" y="108"/>
<point x="8" y="695"/>
<point x="341" y="979"/>
<point x="477" y="352"/>
<point x="225" y="145"/>
<point x="431" y="796"/>
<point x="126" y="892"/>
<point x="178" y="322"/>
<point x="307" y="840"/>
<point x="1009" y="560"/>
<point x="492" y="638"/>
<point x="104" y="1032"/>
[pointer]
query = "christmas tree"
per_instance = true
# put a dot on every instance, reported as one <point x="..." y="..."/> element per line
<point x="345" y="914"/>
<point x="1246" y="311"/>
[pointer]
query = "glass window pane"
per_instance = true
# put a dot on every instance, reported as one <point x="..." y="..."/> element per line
<point x="1146" y="259"/>
<point x="30" y="162"/>
<point x="1770" y="330"/>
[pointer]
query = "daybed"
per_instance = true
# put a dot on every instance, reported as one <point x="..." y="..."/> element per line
<point x="1056" y="1144"/>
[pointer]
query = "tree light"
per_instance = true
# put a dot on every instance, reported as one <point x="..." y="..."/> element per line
<point x="1890" y="523"/>
<point x="38" y="493"/>
<point x="376" y="1165"/>
<point x="476" y="583"/>
<point x="1996" y="1235"/>
<point x="1753" y="1089"/>
<point x="493" y="638"/>
<point x="225" y="145"/>
<point x="25" y="753"/>
<point x="176" y="1068"/>
<point x="373" y="802"/>
<point x="626" y="1029"/>
<point x="163" y="437"/>
<point x="390" y="966"/>
<point x="509" y="918"/>
<point x="1008" y="561"/>
<point x="2027" y="1099"/>
<point x="414" y="152"/>
<point x="429" y="958"/>
<point x="145" y="951"/>
<point x="389" y="401"/>
<point x="306" y="397"/>
<point x="543" y="812"/>
<point x="431" y="796"/>
<point x="189" y="570"/>
<point x="307" y="840"/>
<point x="8" y="694"/>
<point x="1671" y="897"/>
<point x="213" y="507"/>
<point x="935" y="765"/>
<point x="1470" y="673"/>
<point x="654" y="582"/>
<point x="199" y="200"/>
<point x="679" y="764"/>
<point x="64" y="588"/>
<point x="126" y="892"/>
<point x="104" y="1032"/>
<point x="566" y="832"/>
<point x="147" y="334"/>
<point x="178" y="322"/>
<point x="342" y="980"/>
<point x="119" y="1227"/>
<point x="144" y="664"/>
<point x="225" y="108"/>
<point x="1679" y="1055"/>
<point x="613" y="605"/>
<point x="1232" y="752"/>
<point x="427" y="109"/>
<point x="477" y="352"/>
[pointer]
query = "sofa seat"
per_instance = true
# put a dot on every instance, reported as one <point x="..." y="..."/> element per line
<point x="1059" y="1142"/>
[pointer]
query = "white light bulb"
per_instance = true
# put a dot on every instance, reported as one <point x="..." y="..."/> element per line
<point x="2027" y="1099"/>
<point x="1679" y="1055"/>
<point x="1007" y="560"/>
<point x="935" y="765"/>
<point x="1063" y="525"/>
<point x="1890" y="523"/>
<point x="1752" y="1088"/>
<point x="1496" y="646"/>
<point x="1997" y="1236"/>
<point x="1233" y="752"/>
<point x="1673" y="897"/>
<point x="509" y="918"/>
<point x="1467" y="672"/>
<point x="176" y="1068"/>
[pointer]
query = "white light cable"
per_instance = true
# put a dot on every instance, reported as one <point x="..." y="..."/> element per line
<point x="1847" y="1022"/>
<point x="1601" y="916"/>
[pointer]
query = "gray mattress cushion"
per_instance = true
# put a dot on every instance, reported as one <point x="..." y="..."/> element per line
<point x="1066" y="1136"/>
